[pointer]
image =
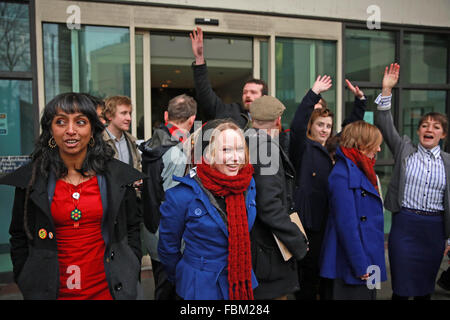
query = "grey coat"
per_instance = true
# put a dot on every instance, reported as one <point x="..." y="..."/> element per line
<point x="401" y="148"/>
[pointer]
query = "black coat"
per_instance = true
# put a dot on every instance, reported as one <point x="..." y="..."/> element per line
<point x="313" y="164"/>
<point x="274" y="202"/>
<point x="212" y="105"/>
<point x="35" y="262"/>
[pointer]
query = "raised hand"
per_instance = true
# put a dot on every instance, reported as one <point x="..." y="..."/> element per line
<point x="355" y="89"/>
<point x="390" y="78"/>
<point x="197" y="45"/>
<point x="322" y="84"/>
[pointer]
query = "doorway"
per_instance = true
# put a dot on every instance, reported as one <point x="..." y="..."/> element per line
<point x="163" y="63"/>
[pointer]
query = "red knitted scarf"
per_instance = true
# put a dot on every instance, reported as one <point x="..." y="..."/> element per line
<point x="364" y="163"/>
<point x="239" y="254"/>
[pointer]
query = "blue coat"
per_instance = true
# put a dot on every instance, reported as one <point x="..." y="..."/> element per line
<point x="354" y="235"/>
<point x="201" y="271"/>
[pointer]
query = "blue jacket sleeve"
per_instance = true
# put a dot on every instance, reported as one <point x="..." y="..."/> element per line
<point x="343" y="212"/>
<point x="171" y="230"/>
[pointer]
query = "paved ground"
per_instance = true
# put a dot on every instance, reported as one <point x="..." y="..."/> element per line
<point x="9" y="290"/>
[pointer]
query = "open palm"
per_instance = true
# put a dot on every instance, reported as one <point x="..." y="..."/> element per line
<point x="391" y="74"/>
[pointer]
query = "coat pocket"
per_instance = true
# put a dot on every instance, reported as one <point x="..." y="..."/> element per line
<point x="262" y="257"/>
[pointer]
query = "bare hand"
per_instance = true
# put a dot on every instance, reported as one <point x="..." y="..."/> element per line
<point x="364" y="277"/>
<point x="390" y="78"/>
<point x="322" y="84"/>
<point x="355" y="89"/>
<point x="197" y="45"/>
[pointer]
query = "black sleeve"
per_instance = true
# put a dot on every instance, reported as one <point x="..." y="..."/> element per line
<point x="207" y="99"/>
<point x="270" y="209"/>
<point x="18" y="240"/>
<point x="359" y="108"/>
<point x="152" y="194"/>
<point x="299" y="125"/>
<point x="133" y="222"/>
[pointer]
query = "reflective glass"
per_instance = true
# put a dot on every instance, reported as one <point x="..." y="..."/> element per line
<point x="93" y="59"/>
<point x="264" y="61"/>
<point x="425" y="58"/>
<point x="416" y="103"/>
<point x="298" y="63"/>
<point x="369" y="115"/>
<point x="367" y="53"/>
<point x="14" y="37"/>
<point x="139" y="87"/>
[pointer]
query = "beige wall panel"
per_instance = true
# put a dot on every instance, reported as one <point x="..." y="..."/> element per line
<point x="415" y="12"/>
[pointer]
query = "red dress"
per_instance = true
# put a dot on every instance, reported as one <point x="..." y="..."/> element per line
<point x="80" y="247"/>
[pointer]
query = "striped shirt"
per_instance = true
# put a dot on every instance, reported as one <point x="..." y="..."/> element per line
<point x="425" y="180"/>
<point x="425" y="174"/>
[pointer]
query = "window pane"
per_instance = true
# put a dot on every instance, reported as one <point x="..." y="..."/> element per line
<point x="416" y="103"/>
<point x="425" y="58"/>
<point x="384" y="173"/>
<point x="367" y="53"/>
<point x="369" y="115"/>
<point x="264" y="61"/>
<point x="16" y="118"/>
<point x="93" y="59"/>
<point x="14" y="37"/>
<point x="139" y="86"/>
<point x="298" y="62"/>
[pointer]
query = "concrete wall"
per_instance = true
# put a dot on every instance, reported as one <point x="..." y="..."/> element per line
<point x="434" y="13"/>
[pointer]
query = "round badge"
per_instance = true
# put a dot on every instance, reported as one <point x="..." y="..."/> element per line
<point x="75" y="215"/>
<point x="42" y="234"/>
<point x="50" y="235"/>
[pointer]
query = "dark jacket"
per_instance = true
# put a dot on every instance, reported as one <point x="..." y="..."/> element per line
<point x="152" y="165"/>
<point x="313" y="164"/>
<point x="35" y="262"/>
<point x="274" y="178"/>
<point x="212" y="105"/>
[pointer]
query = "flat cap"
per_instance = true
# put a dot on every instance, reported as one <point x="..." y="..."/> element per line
<point x="266" y="108"/>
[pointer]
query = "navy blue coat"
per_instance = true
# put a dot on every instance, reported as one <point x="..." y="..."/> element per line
<point x="313" y="164"/>
<point x="354" y="235"/>
<point x="201" y="271"/>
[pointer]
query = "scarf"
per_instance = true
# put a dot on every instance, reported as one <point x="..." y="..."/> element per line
<point x="239" y="254"/>
<point x="176" y="132"/>
<point x="362" y="162"/>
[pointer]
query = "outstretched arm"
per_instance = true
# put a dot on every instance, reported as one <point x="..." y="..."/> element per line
<point x="384" y="120"/>
<point x="359" y="107"/>
<point x="197" y="45"/>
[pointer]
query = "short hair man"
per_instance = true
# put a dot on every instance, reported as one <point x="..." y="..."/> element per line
<point x="274" y="203"/>
<point x="162" y="158"/>
<point x="117" y="112"/>
<point x="214" y="107"/>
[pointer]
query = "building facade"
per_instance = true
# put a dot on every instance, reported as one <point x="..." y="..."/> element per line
<point x="142" y="49"/>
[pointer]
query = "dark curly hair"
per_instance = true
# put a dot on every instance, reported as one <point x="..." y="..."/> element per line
<point x="45" y="159"/>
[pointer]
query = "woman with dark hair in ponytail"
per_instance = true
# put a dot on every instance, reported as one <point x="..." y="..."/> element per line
<point x="74" y="229"/>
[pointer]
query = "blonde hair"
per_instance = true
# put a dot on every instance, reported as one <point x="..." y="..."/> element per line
<point x="361" y="135"/>
<point x="211" y="149"/>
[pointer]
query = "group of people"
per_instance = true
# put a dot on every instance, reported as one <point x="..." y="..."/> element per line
<point x="239" y="209"/>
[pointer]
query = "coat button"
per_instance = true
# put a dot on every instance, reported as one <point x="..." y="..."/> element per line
<point x="363" y="193"/>
<point x="112" y="255"/>
<point x="363" y="218"/>
<point x="313" y="174"/>
<point x="118" y="287"/>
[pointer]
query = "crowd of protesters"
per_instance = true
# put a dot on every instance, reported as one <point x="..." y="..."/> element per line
<point x="238" y="209"/>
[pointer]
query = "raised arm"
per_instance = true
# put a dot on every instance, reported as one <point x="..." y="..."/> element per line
<point x="197" y="45"/>
<point x="384" y="120"/>
<point x="300" y="121"/>
<point x="359" y="107"/>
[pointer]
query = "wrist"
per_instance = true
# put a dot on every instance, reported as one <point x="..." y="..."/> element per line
<point x="386" y="91"/>
<point x="199" y="60"/>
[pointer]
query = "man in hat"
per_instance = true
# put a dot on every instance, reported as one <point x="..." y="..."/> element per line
<point x="274" y="177"/>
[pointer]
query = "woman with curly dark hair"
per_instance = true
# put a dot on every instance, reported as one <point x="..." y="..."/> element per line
<point x="74" y="229"/>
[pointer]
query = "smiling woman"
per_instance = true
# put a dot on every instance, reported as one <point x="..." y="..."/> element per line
<point x="65" y="202"/>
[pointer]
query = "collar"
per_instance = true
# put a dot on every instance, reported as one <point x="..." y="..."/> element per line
<point x="435" y="152"/>
<point x="114" y="137"/>
<point x="176" y="133"/>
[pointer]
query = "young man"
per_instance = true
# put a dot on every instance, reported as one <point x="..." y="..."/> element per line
<point x="214" y="107"/>
<point x="274" y="178"/>
<point x="118" y="111"/>
<point x="162" y="158"/>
